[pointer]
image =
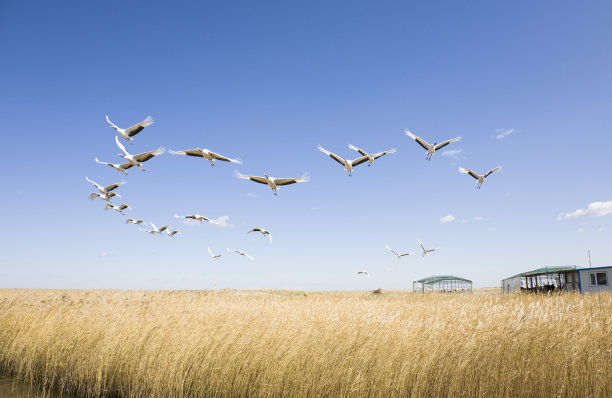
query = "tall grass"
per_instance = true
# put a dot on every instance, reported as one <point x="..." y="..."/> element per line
<point x="233" y="343"/>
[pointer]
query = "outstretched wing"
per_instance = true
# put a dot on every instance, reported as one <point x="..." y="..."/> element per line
<point x="223" y="158"/>
<point x="126" y="166"/>
<point x="120" y="145"/>
<point x="445" y="143"/>
<point x="354" y="148"/>
<point x="261" y="180"/>
<point x="95" y="184"/>
<point x="188" y="152"/>
<point x="358" y="161"/>
<point x="493" y="170"/>
<point x="111" y="123"/>
<point x="470" y="172"/>
<point x="143" y="157"/>
<point x="288" y="181"/>
<point x="137" y="128"/>
<point x="332" y="155"/>
<point x="418" y="139"/>
<point x="379" y="154"/>
<point x="114" y="186"/>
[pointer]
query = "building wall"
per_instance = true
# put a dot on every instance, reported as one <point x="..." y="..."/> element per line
<point x="585" y="280"/>
<point x="510" y="285"/>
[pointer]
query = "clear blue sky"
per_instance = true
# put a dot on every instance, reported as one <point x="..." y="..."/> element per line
<point x="267" y="82"/>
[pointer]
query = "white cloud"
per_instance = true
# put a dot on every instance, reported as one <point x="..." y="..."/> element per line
<point x="600" y="229"/>
<point x="452" y="153"/>
<point x="479" y="218"/>
<point x="445" y="219"/>
<point x="251" y="195"/>
<point x="581" y="230"/>
<point x="595" y="209"/>
<point x="223" y="222"/>
<point x="191" y="222"/>
<point x="104" y="254"/>
<point x="502" y="133"/>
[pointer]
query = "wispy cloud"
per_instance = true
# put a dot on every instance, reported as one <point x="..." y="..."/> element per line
<point x="595" y="209"/>
<point x="581" y="230"/>
<point x="223" y="222"/>
<point x="104" y="254"/>
<point x="479" y="218"/>
<point x="452" y="153"/>
<point x="445" y="219"/>
<point x="251" y="195"/>
<point x="502" y="133"/>
<point x="191" y="222"/>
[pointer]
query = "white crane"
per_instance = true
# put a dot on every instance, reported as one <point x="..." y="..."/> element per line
<point x="206" y="154"/>
<point x="425" y="251"/>
<point x="477" y="176"/>
<point x="212" y="255"/>
<point x="272" y="182"/>
<point x="132" y="221"/>
<point x="196" y="217"/>
<point x="107" y="197"/>
<point x="371" y="157"/>
<point x="119" y="208"/>
<point x="137" y="160"/>
<point x="363" y="273"/>
<point x="431" y="149"/>
<point x="263" y="232"/>
<point x="105" y="190"/>
<point x="156" y="230"/>
<point x="118" y="167"/>
<point x="399" y="255"/>
<point x="133" y="130"/>
<point x="172" y="233"/>
<point x="241" y="253"/>
<point x="348" y="164"/>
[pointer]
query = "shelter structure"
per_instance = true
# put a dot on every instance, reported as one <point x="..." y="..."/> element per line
<point x="442" y="284"/>
<point x="567" y="278"/>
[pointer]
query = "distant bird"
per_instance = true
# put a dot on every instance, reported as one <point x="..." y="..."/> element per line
<point x="241" y="253"/>
<point x="196" y="217"/>
<point x="212" y="255"/>
<point x="156" y="230"/>
<point x="107" y="197"/>
<point x="272" y="182"/>
<point x="172" y="233"/>
<point x="371" y="157"/>
<point x="477" y="176"/>
<point x="206" y="154"/>
<point x="363" y="273"/>
<point x="105" y="190"/>
<point x="263" y="232"/>
<point x="133" y="130"/>
<point x="348" y="164"/>
<point x="399" y="255"/>
<point x="119" y="208"/>
<point x="118" y="167"/>
<point x="431" y="149"/>
<point x="132" y="221"/>
<point x="425" y="251"/>
<point x="136" y="160"/>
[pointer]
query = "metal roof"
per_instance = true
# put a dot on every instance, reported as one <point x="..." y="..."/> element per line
<point x="440" y="278"/>
<point x="544" y="270"/>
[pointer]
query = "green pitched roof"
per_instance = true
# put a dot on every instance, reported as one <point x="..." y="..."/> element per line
<point x="545" y="270"/>
<point x="440" y="278"/>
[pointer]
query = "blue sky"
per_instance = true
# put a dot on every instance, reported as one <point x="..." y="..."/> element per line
<point x="269" y="81"/>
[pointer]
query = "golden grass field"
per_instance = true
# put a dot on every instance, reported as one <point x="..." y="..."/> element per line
<point x="291" y="344"/>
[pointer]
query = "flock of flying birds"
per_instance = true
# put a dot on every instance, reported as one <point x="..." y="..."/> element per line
<point x="106" y="193"/>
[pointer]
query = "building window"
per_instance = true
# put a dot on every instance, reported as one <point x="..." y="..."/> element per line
<point x="599" y="278"/>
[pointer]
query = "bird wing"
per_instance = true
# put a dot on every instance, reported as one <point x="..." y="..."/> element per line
<point x="126" y="166"/>
<point x="95" y="184"/>
<point x="111" y="123"/>
<point x="445" y="143"/>
<point x="97" y="161"/>
<point x="418" y="139"/>
<point x="423" y="247"/>
<point x="358" y="161"/>
<point x="249" y="257"/>
<point x="223" y="158"/>
<point x="124" y="206"/>
<point x="188" y="152"/>
<point x="379" y="154"/>
<point x="288" y="181"/>
<point x="470" y="172"/>
<point x="165" y="227"/>
<point x="120" y="145"/>
<point x="254" y="230"/>
<point x="332" y="155"/>
<point x="210" y="251"/>
<point x="260" y="180"/>
<point x="270" y="237"/>
<point x="392" y="251"/>
<point x="143" y="157"/>
<point x="493" y="170"/>
<point x="354" y="148"/>
<point x="129" y="220"/>
<point x="137" y="128"/>
<point x="114" y="186"/>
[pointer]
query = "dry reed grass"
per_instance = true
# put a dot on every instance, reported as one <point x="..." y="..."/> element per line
<point x="273" y="344"/>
